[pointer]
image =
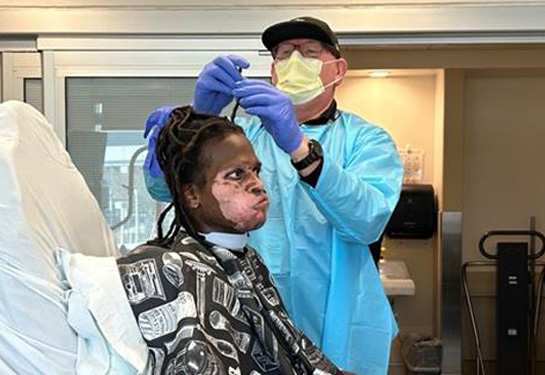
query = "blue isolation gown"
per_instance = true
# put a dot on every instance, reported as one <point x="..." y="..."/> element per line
<point x="315" y="239"/>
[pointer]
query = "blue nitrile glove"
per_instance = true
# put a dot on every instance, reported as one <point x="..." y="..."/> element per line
<point x="275" y="110"/>
<point x="213" y="90"/>
<point x="157" y="188"/>
<point x="153" y="175"/>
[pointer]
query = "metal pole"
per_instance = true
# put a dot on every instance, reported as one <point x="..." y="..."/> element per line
<point x="130" y="188"/>
<point x="451" y="292"/>
<point x="471" y="311"/>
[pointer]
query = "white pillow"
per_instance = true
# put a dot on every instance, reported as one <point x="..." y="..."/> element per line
<point x="44" y="204"/>
<point x="100" y="313"/>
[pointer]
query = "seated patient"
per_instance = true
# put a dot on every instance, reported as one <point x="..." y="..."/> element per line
<point x="204" y="301"/>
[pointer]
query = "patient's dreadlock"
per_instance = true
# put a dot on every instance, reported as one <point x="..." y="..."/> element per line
<point x="179" y="153"/>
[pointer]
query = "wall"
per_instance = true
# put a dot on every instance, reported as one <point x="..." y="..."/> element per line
<point x="503" y="154"/>
<point x="504" y="177"/>
<point x="407" y="20"/>
<point x="404" y="104"/>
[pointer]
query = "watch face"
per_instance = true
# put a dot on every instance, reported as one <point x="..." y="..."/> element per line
<point x="314" y="154"/>
<point x="317" y="148"/>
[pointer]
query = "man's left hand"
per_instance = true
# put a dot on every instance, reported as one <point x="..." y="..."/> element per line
<point x="275" y="110"/>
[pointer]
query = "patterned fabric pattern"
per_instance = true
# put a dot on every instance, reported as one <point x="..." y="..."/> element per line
<point x="211" y="311"/>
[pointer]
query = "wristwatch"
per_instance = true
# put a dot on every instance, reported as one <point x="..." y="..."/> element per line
<point x="315" y="153"/>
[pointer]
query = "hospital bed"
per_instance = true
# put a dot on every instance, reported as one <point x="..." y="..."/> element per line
<point x="62" y="306"/>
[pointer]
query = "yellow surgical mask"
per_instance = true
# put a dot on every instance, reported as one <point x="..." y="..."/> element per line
<point x="299" y="77"/>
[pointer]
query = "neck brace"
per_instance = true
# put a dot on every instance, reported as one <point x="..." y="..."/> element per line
<point x="231" y="241"/>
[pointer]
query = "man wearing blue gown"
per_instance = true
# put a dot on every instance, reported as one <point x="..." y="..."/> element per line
<point x="333" y="180"/>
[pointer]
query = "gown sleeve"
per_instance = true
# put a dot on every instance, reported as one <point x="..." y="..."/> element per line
<point x="359" y="197"/>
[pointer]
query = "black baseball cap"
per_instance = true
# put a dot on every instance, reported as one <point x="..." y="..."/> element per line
<point x="300" y="27"/>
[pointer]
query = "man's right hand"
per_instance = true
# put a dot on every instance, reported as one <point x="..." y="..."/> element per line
<point x="216" y="82"/>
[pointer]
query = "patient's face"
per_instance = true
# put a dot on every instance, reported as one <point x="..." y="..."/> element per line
<point x="233" y="198"/>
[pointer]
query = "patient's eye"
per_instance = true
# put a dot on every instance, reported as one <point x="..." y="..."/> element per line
<point x="235" y="174"/>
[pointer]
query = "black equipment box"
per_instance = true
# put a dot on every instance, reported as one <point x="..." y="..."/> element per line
<point x="415" y="215"/>
<point x="513" y="305"/>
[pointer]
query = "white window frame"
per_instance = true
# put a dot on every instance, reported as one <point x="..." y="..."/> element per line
<point x="138" y="58"/>
<point x="16" y="67"/>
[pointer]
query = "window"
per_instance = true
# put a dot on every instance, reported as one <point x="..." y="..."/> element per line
<point x="33" y="93"/>
<point x="105" y="119"/>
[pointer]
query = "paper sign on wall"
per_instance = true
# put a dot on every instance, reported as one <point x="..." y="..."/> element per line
<point x="413" y="165"/>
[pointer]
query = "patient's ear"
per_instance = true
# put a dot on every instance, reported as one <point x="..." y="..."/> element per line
<point x="191" y="196"/>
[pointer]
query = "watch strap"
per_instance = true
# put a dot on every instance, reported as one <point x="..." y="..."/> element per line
<point x="315" y="153"/>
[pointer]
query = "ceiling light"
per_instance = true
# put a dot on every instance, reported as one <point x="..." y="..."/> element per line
<point x="378" y="73"/>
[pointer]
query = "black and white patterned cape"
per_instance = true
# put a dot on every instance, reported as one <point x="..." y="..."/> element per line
<point x="212" y="311"/>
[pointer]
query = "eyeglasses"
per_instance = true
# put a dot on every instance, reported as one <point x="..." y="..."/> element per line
<point x="312" y="49"/>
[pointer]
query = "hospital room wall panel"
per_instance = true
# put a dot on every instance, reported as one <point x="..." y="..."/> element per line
<point x="453" y="136"/>
<point x="438" y="176"/>
<point x="503" y="138"/>
<point x="439" y="135"/>
<point x="503" y="179"/>
<point x="462" y="56"/>
<point x="403" y="104"/>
